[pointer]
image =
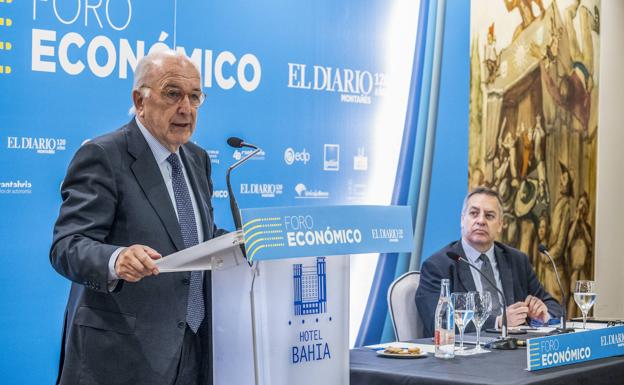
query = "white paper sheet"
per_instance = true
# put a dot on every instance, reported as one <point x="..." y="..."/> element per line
<point x="218" y="253"/>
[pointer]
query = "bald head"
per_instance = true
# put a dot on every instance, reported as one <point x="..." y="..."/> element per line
<point x="154" y="62"/>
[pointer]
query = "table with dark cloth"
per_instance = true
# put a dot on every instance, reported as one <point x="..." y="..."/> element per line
<point x="496" y="368"/>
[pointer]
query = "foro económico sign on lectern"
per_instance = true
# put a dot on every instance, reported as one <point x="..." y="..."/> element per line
<point x="283" y="318"/>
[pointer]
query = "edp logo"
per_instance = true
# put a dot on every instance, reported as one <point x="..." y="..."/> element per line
<point x="291" y="156"/>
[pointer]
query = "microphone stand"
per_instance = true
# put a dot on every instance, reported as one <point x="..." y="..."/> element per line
<point x="239" y="143"/>
<point x="233" y="205"/>
<point x="504" y="342"/>
<point x="563" y="329"/>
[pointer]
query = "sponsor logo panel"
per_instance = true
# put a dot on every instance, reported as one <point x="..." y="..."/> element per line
<point x="331" y="157"/>
<point x="352" y="85"/>
<point x="18" y="186"/>
<point x="304" y="193"/>
<point x="291" y="156"/>
<point x="40" y="145"/>
<point x="356" y="191"/>
<point x="214" y="156"/>
<point x="240" y="154"/>
<point x="265" y="190"/>
<point x="360" y="160"/>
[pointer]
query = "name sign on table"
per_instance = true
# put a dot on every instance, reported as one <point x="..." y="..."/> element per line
<point x="289" y="232"/>
<point x="566" y="349"/>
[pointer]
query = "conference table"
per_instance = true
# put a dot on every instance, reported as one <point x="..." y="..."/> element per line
<point x="497" y="368"/>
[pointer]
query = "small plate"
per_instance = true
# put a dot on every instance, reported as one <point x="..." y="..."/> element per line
<point x="404" y="355"/>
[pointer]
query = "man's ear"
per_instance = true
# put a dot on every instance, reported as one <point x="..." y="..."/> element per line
<point x="138" y="100"/>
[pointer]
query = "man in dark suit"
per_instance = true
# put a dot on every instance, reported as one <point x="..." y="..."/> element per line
<point x="481" y="223"/>
<point x="129" y="198"/>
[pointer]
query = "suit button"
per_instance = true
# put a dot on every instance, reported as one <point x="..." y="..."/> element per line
<point x="186" y="281"/>
<point x="181" y="325"/>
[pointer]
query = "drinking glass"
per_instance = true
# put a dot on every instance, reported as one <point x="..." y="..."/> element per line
<point x="482" y="310"/>
<point x="585" y="296"/>
<point x="463" y="303"/>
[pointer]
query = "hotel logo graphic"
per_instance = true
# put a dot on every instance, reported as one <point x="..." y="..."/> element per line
<point x="310" y="288"/>
<point x="261" y="233"/>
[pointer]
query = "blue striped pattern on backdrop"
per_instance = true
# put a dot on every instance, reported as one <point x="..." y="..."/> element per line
<point x="413" y="169"/>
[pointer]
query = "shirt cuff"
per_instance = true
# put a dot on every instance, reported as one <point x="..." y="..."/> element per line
<point x="112" y="275"/>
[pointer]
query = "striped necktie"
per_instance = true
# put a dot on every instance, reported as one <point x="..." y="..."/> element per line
<point x="486" y="269"/>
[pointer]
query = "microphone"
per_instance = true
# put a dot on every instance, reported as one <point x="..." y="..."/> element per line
<point x="504" y="342"/>
<point x="234" y="142"/>
<point x="237" y="143"/>
<point x="563" y="329"/>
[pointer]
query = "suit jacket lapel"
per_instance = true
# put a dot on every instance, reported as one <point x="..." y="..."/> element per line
<point x="199" y="186"/>
<point x="506" y="276"/>
<point x="150" y="179"/>
<point x="463" y="270"/>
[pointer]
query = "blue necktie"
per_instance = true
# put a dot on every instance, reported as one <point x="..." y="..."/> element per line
<point x="195" y="308"/>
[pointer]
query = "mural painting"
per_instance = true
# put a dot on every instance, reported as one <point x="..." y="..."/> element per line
<point x="534" y="84"/>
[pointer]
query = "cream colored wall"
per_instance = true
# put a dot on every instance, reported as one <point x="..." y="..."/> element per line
<point x="609" y="264"/>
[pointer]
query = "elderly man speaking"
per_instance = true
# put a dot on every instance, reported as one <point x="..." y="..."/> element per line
<point x="130" y="197"/>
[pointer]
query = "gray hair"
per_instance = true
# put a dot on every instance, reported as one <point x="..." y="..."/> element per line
<point x="148" y="63"/>
<point x="483" y="191"/>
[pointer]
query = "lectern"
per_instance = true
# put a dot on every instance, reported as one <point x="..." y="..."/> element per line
<point x="281" y="316"/>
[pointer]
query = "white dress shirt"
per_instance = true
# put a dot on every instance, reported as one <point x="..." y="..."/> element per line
<point x="160" y="155"/>
<point x="473" y="255"/>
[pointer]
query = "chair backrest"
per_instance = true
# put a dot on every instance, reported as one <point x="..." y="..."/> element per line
<point x="402" y="305"/>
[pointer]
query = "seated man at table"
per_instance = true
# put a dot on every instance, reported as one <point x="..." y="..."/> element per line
<point x="509" y="268"/>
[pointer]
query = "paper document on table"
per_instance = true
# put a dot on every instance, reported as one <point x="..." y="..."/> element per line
<point x="405" y="345"/>
<point x="218" y="253"/>
<point x="577" y="326"/>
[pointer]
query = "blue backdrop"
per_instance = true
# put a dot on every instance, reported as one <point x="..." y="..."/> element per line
<point x="303" y="80"/>
<point x="449" y="173"/>
<point x="432" y="173"/>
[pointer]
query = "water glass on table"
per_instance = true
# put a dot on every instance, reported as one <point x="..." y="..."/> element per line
<point x="482" y="310"/>
<point x="463" y="303"/>
<point x="585" y="296"/>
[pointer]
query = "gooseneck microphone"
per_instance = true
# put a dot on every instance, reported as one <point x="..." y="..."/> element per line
<point x="234" y="142"/>
<point x="504" y="342"/>
<point x="238" y="143"/>
<point x="563" y="329"/>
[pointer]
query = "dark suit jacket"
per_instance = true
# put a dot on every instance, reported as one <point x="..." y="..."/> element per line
<point x="114" y="195"/>
<point x="517" y="277"/>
